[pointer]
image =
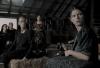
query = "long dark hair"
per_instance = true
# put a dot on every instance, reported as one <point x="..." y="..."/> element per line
<point x="3" y="26"/>
<point x="85" y="23"/>
<point x="75" y="7"/>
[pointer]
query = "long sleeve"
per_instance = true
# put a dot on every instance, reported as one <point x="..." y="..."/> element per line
<point x="87" y="44"/>
<point x="13" y="46"/>
<point x="29" y="44"/>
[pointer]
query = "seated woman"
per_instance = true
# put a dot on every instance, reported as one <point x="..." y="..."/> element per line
<point x="20" y="45"/>
<point x="85" y="49"/>
<point x="38" y="44"/>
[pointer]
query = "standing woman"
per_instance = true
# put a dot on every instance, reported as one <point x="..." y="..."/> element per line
<point x="84" y="50"/>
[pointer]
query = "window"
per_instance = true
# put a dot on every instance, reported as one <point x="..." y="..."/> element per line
<point x="7" y="20"/>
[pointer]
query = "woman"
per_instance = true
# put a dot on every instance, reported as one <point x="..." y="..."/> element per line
<point x="38" y="40"/>
<point x="84" y="50"/>
<point x="4" y="39"/>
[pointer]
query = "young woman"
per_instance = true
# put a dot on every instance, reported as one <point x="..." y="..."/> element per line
<point x="84" y="50"/>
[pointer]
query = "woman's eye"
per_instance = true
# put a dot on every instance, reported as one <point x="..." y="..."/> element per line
<point x="80" y="14"/>
<point x="73" y="16"/>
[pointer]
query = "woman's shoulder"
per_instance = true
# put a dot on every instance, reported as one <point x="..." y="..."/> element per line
<point x="89" y="32"/>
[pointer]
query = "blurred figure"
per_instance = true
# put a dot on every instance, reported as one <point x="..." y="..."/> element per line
<point x="4" y="28"/>
<point x="4" y="39"/>
<point x="11" y="26"/>
<point x="38" y="45"/>
<point x="11" y="32"/>
<point x="20" y="45"/>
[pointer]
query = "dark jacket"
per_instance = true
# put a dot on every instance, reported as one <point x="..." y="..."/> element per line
<point x="38" y="44"/>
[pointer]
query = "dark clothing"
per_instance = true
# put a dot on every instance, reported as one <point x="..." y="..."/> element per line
<point x="4" y="37"/>
<point x="38" y="44"/>
<point x="86" y="43"/>
<point x="22" y="41"/>
<point x="12" y="34"/>
<point x="19" y="48"/>
<point x="39" y="39"/>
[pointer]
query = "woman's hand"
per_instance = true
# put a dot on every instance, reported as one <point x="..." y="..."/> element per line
<point x="76" y="54"/>
<point x="24" y="58"/>
<point x="71" y="41"/>
<point x="68" y="52"/>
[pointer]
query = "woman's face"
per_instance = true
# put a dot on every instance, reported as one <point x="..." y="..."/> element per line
<point x="77" y="17"/>
<point x="4" y="27"/>
<point x="22" y="22"/>
<point x="39" y="24"/>
<point x="10" y="25"/>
